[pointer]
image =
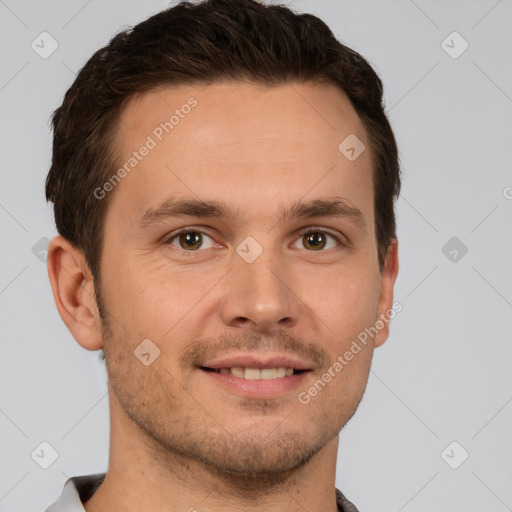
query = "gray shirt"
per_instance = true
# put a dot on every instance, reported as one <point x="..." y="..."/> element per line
<point x="78" y="489"/>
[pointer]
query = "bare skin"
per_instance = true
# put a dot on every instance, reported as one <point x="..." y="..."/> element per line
<point x="184" y="437"/>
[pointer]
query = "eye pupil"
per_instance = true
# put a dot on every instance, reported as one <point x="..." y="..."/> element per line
<point x="190" y="240"/>
<point x="315" y="240"/>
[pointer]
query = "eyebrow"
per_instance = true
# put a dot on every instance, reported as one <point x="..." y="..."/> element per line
<point x="331" y="207"/>
<point x="174" y="208"/>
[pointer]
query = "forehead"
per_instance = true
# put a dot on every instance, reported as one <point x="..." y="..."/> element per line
<point x="237" y="140"/>
<point x="312" y="110"/>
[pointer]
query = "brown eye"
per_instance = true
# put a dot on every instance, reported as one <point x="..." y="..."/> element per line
<point x="191" y="241"/>
<point x="315" y="240"/>
<point x="318" y="241"/>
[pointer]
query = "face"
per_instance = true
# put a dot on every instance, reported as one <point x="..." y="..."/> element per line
<point x="241" y="244"/>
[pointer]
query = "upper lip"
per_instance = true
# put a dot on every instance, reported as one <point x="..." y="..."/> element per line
<point x="257" y="361"/>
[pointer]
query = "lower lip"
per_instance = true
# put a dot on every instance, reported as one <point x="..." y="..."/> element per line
<point x="257" y="388"/>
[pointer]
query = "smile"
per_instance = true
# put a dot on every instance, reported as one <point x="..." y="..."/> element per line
<point x="256" y="373"/>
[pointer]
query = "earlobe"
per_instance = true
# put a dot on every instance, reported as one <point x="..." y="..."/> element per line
<point x="388" y="278"/>
<point x="73" y="290"/>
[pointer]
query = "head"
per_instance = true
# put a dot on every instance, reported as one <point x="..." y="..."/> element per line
<point x="227" y="120"/>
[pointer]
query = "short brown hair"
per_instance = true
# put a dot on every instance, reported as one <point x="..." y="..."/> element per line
<point x="201" y="43"/>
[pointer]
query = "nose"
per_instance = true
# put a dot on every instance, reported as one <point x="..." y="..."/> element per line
<point x="259" y="295"/>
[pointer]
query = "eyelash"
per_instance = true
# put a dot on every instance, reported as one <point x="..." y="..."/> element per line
<point x="308" y="231"/>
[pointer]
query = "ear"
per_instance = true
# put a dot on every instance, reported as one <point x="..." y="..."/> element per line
<point x="388" y="278"/>
<point x="73" y="290"/>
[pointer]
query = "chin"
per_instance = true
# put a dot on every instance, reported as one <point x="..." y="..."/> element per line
<point x="256" y="460"/>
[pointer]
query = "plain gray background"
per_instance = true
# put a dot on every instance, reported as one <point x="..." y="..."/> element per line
<point x="444" y="374"/>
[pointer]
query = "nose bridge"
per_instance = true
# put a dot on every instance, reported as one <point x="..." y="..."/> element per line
<point x="257" y="292"/>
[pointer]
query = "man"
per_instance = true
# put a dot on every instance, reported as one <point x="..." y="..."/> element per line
<point x="223" y="181"/>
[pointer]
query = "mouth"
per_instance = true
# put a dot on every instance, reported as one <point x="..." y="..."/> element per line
<point x="249" y="373"/>
<point x="256" y="375"/>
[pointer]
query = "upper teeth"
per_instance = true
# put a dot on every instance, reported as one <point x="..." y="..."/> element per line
<point x="257" y="373"/>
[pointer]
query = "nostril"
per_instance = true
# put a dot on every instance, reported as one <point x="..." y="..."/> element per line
<point x="243" y="322"/>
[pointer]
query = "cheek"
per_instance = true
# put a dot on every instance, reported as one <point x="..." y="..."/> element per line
<point x="152" y="301"/>
<point x="347" y="302"/>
